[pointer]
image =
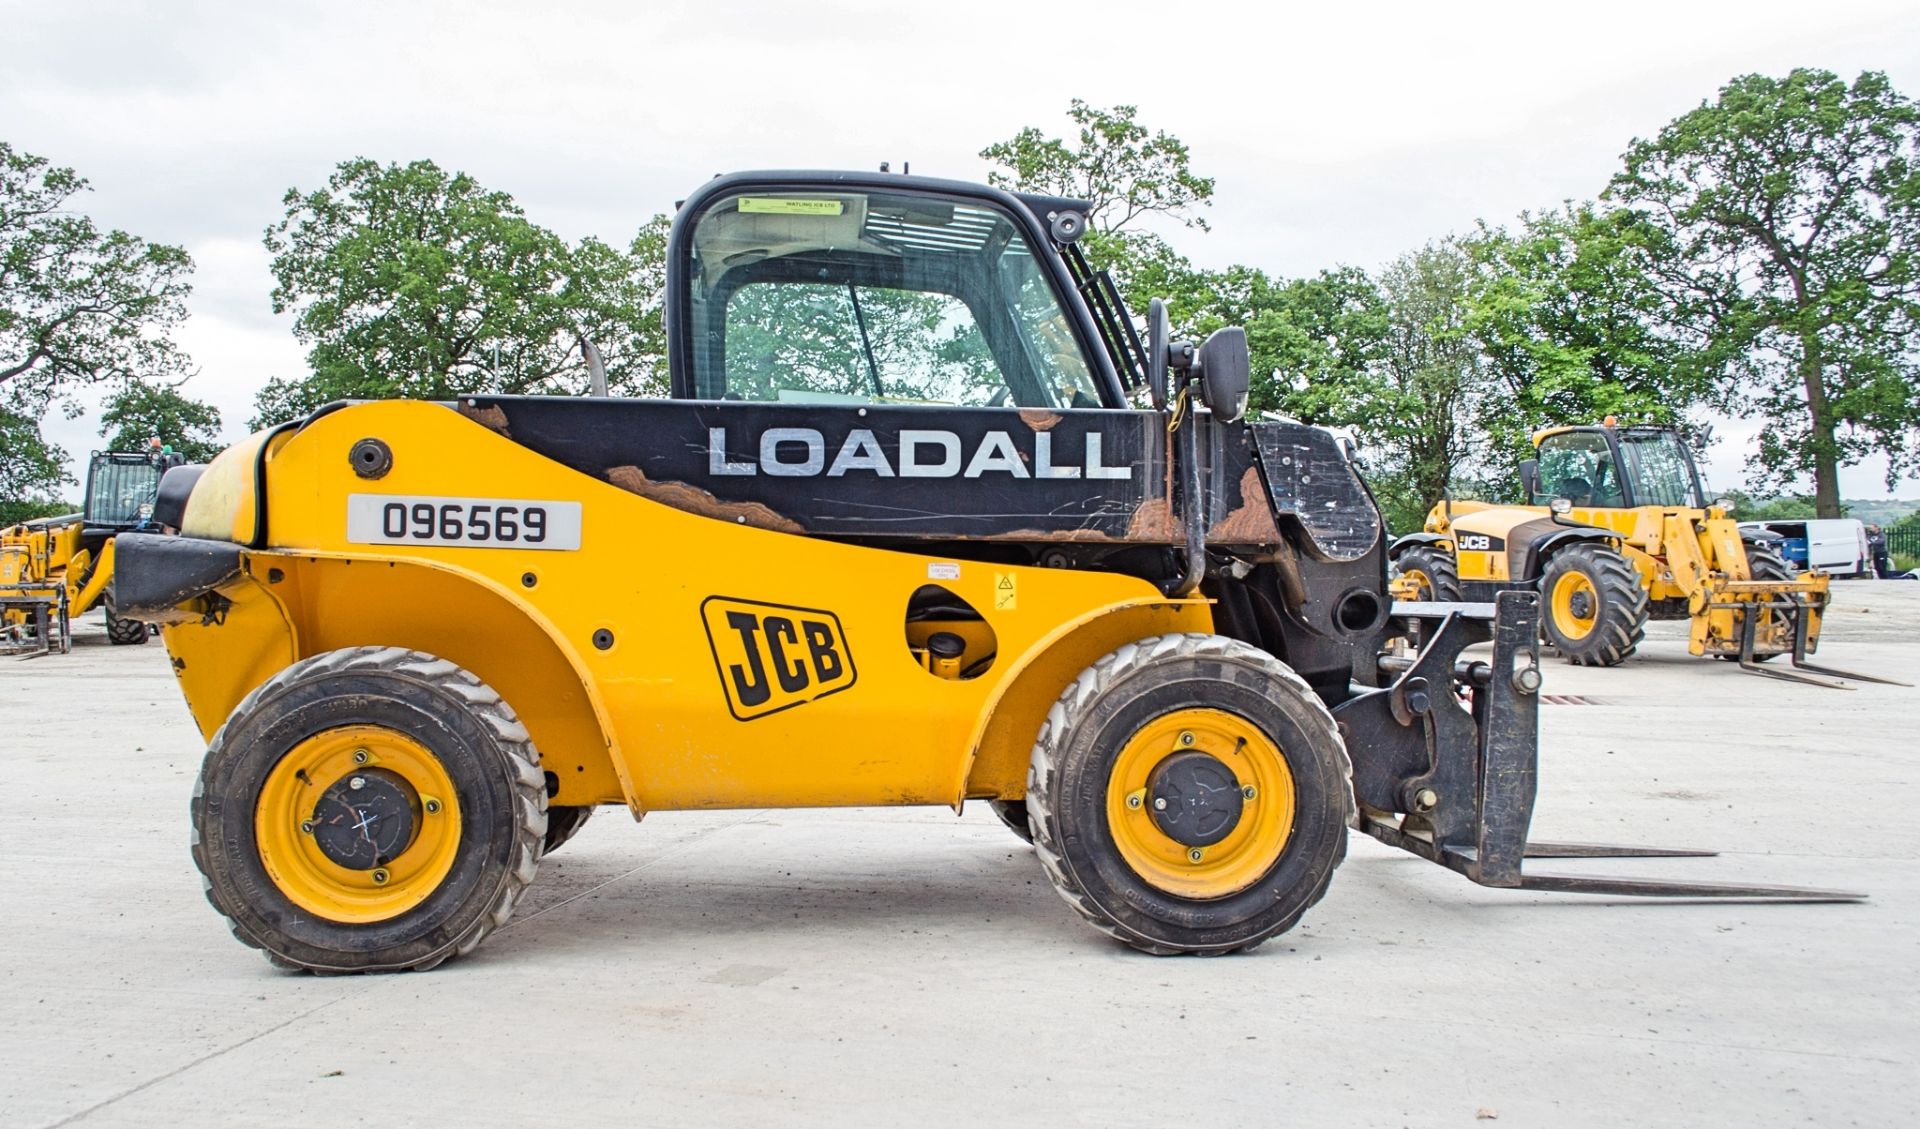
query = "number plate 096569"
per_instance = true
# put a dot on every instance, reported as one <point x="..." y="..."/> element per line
<point x="480" y="523"/>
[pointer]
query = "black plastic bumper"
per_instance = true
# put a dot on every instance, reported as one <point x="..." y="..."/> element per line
<point x="153" y="574"/>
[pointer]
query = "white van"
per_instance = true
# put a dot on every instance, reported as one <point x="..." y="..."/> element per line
<point x="1834" y="545"/>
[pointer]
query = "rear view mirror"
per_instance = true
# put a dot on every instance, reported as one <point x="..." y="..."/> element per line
<point x="1530" y="478"/>
<point x="1225" y="369"/>
<point x="1159" y="336"/>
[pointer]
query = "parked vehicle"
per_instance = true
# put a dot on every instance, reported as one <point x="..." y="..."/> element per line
<point x="1836" y="546"/>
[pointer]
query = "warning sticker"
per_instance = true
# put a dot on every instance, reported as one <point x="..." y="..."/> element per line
<point x="943" y="570"/>
<point x="1005" y="592"/>
<point x="788" y="206"/>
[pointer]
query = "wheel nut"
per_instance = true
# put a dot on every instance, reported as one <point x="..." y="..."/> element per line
<point x="359" y="756"/>
<point x="1159" y="803"/>
<point x="380" y="877"/>
<point x="306" y="827"/>
<point x="1196" y="854"/>
<point x="357" y="783"/>
<point x="1186" y="738"/>
<point x="1248" y="792"/>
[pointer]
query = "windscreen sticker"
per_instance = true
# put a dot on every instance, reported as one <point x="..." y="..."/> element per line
<point x="788" y="206"/>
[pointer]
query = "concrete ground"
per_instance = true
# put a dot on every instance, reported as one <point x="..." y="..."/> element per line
<point x="909" y="968"/>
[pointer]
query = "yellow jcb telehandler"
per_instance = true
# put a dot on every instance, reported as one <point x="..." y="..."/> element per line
<point x="55" y="569"/>
<point x="898" y="537"/>
<point x="1619" y="531"/>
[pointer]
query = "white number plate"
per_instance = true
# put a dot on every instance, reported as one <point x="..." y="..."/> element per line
<point x="479" y="523"/>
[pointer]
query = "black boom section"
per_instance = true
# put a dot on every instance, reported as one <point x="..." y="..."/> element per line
<point x="878" y="471"/>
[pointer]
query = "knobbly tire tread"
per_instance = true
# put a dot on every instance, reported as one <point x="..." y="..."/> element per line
<point x="526" y="782"/>
<point x="564" y="821"/>
<point x="1440" y="566"/>
<point x="1013" y="813"/>
<point x="124" y="632"/>
<point x="1073" y="706"/>
<point x="1621" y="622"/>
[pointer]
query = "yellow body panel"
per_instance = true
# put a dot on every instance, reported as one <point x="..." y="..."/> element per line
<point x="647" y="718"/>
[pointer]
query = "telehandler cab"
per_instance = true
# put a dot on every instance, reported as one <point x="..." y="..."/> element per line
<point x="1620" y="531"/>
<point x="55" y="569"/>
<point x="898" y="538"/>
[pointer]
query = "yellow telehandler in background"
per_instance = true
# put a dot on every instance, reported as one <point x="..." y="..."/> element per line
<point x="57" y="568"/>
<point x="1620" y="531"/>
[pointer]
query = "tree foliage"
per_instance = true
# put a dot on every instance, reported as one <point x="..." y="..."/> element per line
<point x="139" y="413"/>
<point x="1571" y="330"/>
<point x="1116" y="165"/>
<point x="1781" y="222"/>
<point x="78" y="305"/>
<point x="1130" y="176"/>
<point x="406" y="280"/>
<point x="32" y="471"/>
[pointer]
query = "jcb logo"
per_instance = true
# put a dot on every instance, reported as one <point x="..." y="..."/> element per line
<point x="772" y="657"/>
<point x="1476" y="542"/>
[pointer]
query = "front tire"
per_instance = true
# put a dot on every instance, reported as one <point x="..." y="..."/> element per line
<point x="1013" y="813"/>
<point x="369" y="809"/>
<point x="1764" y="563"/>
<point x="1595" y="608"/>
<point x="1257" y="787"/>
<point x="564" y="821"/>
<point x="1436" y="573"/>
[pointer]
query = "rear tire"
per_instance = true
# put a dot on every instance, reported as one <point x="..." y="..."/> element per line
<point x="1130" y="867"/>
<point x="1594" y="610"/>
<point x="124" y="632"/>
<point x="295" y="773"/>
<point x="1437" y="573"/>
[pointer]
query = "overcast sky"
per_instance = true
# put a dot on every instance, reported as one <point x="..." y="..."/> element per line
<point x="1338" y="133"/>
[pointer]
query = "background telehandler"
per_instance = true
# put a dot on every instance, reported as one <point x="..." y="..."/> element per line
<point x="899" y="537"/>
<point x="1619" y="532"/>
<point x="54" y="569"/>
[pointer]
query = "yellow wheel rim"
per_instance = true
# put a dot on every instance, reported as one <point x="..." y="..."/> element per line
<point x="283" y="821"/>
<point x="1566" y="592"/>
<point x="1422" y="583"/>
<point x="1256" y="841"/>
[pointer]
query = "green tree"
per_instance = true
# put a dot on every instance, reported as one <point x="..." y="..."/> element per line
<point x="1128" y="175"/>
<point x="78" y="307"/>
<point x="1783" y="227"/>
<point x="1389" y="360"/>
<point x="142" y="412"/>
<point x="31" y="470"/>
<point x="1571" y="330"/>
<point x="1116" y="165"/>
<point x="408" y="281"/>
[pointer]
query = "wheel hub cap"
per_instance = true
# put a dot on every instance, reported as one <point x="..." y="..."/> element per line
<point x="365" y="819"/>
<point x="1195" y="799"/>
